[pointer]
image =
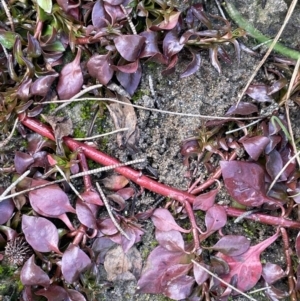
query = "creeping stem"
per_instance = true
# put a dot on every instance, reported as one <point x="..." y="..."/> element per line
<point x="148" y="183"/>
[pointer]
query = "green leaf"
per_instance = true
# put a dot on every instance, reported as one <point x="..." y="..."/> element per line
<point x="55" y="46"/>
<point x="7" y="38"/>
<point x="46" y="5"/>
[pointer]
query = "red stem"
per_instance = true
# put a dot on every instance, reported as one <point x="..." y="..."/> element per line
<point x="146" y="182"/>
<point x="264" y="219"/>
<point x="84" y="167"/>
<point x="289" y="268"/>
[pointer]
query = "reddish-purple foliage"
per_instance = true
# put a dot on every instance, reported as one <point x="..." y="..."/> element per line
<point x="164" y="221"/>
<point x="32" y="274"/>
<point x="70" y="79"/>
<point x="40" y="233"/>
<point x="247" y="266"/>
<point x="119" y="51"/>
<point x="244" y="181"/>
<point x="7" y="208"/>
<point x="206" y="200"/>
<point x="74" y="262"/>
<point x="232" y="245"/>
<point x="49" y="201"/>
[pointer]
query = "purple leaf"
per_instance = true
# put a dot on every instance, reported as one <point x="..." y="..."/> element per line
<point x="126" y="193"/>
<point x="277" y="85"/>
<point x="254" y="146"/>
<point x="272" y="272"/>
<point x="164" y="221"/>
<point x="7" y="208"/>
<point x="33" y="49"/>
<point x="23" y="89"/>
<point x="92" y="197"/>
<point x="126" y="68"/>
<point x="206" y="200"/>
<point x="232" y="245"/>
<point x="22" y="161"/>
<point x="157" y="262"/>
<point x="247" y="266"/>
<point x="99" y="66"/>
<point x="31" y="274"/>
<point x="50" y="201"/>
<point x="297" y="245"/>
<point x="75" y="296"/>
<point x="118" y="200"/>
<point x="171" y="66"/>
<point x="129" y="46"/>
<point x="176" y="283"/>
<point x="286" y="155"/>
<point x="115" y="182"/>
<point x="199" y="13"/>
<point x="85" y="215"/>
<point x="275" y="294"/>
<point x="259" y="92"/>
<point x="245" y="182"/>
<point x="151" y="46"/>
<point x="170" y="240"/>
<point x="274" y="165"/>
<point x="218" y="265"/>
<point x="243" y="108"/>
<point x="115" y="12"/>
<point x="130" y="81"/>
<point x="215" y="218"/>
<point x="100" y="246"/>
<point x="114" y="2"/>
<point x="107" y="227"/>
<point x="200" y="275"/>
<point x="128" y="243"/>
<point x="171" y="44"/>
<point x="40" y="233"/>
<point x="53" y="293"/>
<point x="193" y="66"/>
<point x="74" y="262"/>
<point x="98" y="15"/>
<point x="42" y="85"/>
<point x="36" y="143"/>
<point x="70" y="78"/>
<point x="168" y="23"/>
<point x="9" y="232"/>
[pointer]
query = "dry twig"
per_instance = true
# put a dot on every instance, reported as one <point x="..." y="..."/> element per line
<point x="288" y="16"/>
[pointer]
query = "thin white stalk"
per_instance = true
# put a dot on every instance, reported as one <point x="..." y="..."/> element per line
<point x="5" y="141"/>
<point x="71" y="185"/>
<point x="153" y="110"/>
<point x="282" y="170"/>
<point x="221" y="280"/>
<point x="8" y="14"/>
<point x="105" y="201"/>
<point x="80" y="174"/>
<point x="259" y="290"/>
<point x="88" y="89"/>
<point x="14" y="184"/>
<point x="101" y="135"/>
<point x="132" y="27"/>
<point x="288" y="94"/>
<point x="151" y="87"/>
<point x="243" y="127"/>
<point x="261" y="44"/>
<point x="220" y="9"/>
<point x="288" y="16"/>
